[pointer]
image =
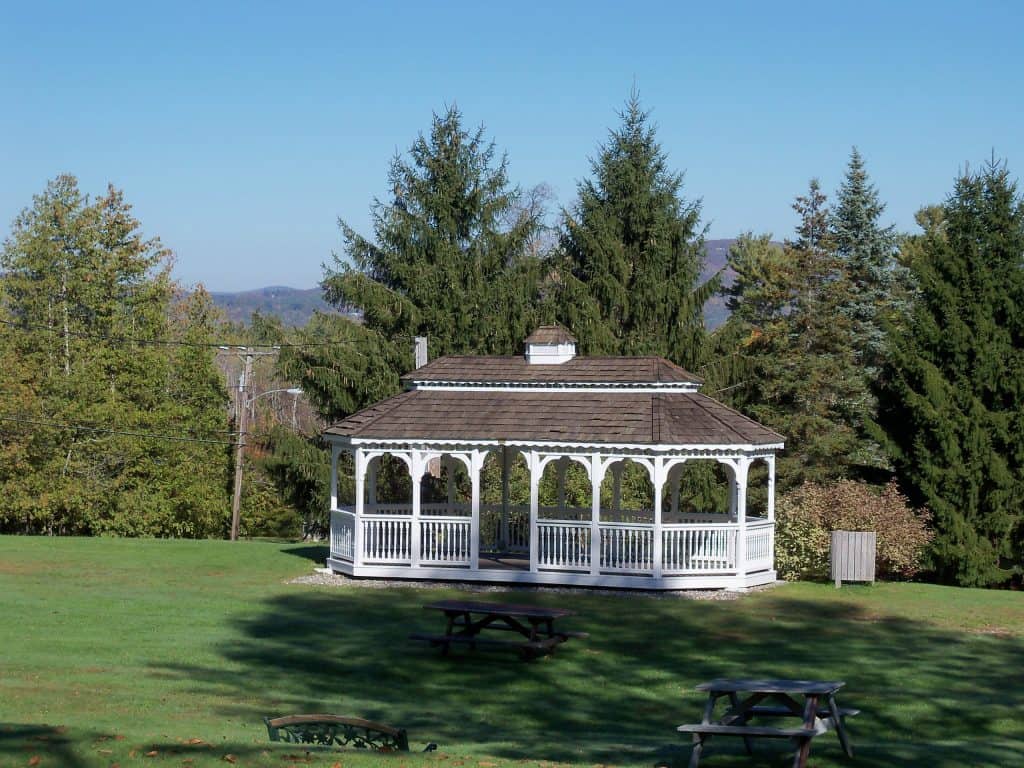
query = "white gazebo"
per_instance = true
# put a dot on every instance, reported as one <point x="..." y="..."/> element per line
<point x="551" y="410"/>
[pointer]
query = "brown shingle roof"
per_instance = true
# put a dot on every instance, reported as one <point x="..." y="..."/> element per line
<point x="582" y="370"/>
<point x="551" y="334"/>
<point x="577" y="417"/>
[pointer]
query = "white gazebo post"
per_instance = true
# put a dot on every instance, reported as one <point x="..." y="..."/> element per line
<point x="417" y="468"/>
<point x="658" y="481"/>
<point x="335" y="452"/>
<point x="359" y="461"/>
<point x="476" y="462"/>
<point x="595" y="514"/>
<point x="742" y="466"/>
<point x="533" y="459"/>
<point x="770" y="461"/>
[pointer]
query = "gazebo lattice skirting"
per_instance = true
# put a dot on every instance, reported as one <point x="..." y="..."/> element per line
<point x="553" y="408"/>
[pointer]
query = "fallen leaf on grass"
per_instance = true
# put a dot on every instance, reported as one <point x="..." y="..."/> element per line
<point x="105" y="751"/>
<point x="154" y="753"/>
<point x="195" y="742"/>
<point x="336" y="765"/>
<point x="230" y="758"/>
<point x="34" y="760"/>
<point x="487" y="765"/>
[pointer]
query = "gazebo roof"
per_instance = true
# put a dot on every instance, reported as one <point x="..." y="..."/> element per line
<point x="579" y="370"/>
<point x="579" y="400"/>
<point x="581" y="416"/>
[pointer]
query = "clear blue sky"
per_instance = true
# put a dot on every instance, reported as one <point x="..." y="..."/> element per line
<point x="241" y="132"/>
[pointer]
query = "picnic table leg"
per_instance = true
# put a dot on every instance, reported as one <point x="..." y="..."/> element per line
<point x="742" y="720"/>
<point x="844" y="741"/>
<point x="698" y="747"/>
<point x="804" y="742"/>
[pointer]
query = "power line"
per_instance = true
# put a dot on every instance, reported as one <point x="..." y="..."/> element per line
<point x="88" y="428"/>
<point x="173" y="342"/>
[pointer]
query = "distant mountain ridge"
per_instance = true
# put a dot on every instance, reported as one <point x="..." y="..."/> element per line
<point x="294" y="306"/>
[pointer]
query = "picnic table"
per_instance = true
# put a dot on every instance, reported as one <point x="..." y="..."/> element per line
<point x="465" y="620"/>
<point x="818" y="713"/>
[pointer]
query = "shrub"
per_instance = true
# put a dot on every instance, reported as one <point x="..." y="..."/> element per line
<point x="807" y="515"/>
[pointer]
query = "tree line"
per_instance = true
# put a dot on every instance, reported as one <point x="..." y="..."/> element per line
<point x="883" y="357"/>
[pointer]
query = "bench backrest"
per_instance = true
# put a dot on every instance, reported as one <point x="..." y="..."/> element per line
<point x="328" y="730"/>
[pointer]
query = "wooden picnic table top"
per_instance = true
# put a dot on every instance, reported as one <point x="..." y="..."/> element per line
<point x="501" y="609"/>
<point x="752" y="685"/>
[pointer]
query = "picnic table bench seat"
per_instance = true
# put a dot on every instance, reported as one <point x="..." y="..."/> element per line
<point x="715" y="729"/>
<point x="329" y="730"/>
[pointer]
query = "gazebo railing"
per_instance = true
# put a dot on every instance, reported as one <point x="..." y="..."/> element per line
<point x="698" y="548"/>
<point x="627" y="547"/>
<point x="760" y="544"/>
<point x="445" y="540"/>
<point x="343" y="533"/>
<point x="562" y="545"/>
<point x="386" y="539"/>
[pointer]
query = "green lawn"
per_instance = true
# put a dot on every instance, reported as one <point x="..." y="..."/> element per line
<point x="113" y="649"/>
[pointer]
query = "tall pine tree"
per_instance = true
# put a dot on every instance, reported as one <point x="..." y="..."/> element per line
<point x="798" y="374"/>
<point x="632" y="253"/>
<point x="868" y="253"/>
<point x="952" y="395"/>
<point x="451" y="258"/>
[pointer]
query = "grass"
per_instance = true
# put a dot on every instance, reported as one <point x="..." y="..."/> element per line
<point x="125" y="651"/>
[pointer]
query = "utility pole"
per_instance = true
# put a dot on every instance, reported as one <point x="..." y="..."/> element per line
<point x="242" y="409"/>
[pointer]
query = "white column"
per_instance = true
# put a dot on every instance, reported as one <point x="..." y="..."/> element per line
<point x="359" y="460"/>
<point x="506" y="470"/>
<point x="535" y="470"/>
<point x="595" y="514"/>
<point x="416" y="459"/>
<point x="335" y="452"/>
<point x="658" y="480"/>
<point x="371" y="484"/>
<point x="476" y="463"/>
<point x="732" y="494"/>
<point x="742" y="467"/>
<point x="770" y="461"/>
<point x="617" y="486"/>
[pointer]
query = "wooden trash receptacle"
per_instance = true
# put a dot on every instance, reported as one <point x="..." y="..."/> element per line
<point x="853" y="556"/>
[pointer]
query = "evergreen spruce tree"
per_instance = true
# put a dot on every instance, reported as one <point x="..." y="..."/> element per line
<point x="445" y="262"/>
<point x="798" y="374"/>
<point x="868" y="252"/>
<point x="632" y="252"/>
<point x="951" y="409"/>
<point x="451" y="258"/>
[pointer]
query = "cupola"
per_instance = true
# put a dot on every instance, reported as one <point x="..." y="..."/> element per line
<point x="550" y="345"/>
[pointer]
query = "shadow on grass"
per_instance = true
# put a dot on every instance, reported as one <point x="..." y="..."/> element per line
<point x="21" y="742"/>
<point x="315" y="552"/>
<point x="929" y="697"/>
